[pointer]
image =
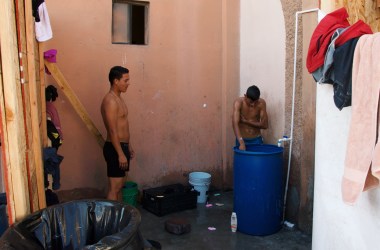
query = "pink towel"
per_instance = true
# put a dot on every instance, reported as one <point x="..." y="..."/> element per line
<point x="362" y="163"/>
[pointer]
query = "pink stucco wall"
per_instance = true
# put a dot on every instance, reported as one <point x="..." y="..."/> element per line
<point x="176" y="101"/>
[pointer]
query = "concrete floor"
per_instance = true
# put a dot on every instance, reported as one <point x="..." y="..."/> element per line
<point x="201" y="218"/>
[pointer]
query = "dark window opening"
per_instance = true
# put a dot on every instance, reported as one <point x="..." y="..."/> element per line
<point x="130" y="22"/>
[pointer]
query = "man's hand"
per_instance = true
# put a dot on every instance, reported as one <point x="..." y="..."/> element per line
<point x="244" y="120"/>
<point x="242" y="145"/>
<point x="123" y="162"/>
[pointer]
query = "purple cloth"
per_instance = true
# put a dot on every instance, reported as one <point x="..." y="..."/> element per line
<point x="50" y="55"/>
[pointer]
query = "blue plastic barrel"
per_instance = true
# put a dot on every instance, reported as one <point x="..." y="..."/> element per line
<point x="258" y="188"/>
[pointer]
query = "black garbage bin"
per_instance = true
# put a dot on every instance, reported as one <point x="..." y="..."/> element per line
<point x="3" y="213"/>
<point x="83" y="224"/>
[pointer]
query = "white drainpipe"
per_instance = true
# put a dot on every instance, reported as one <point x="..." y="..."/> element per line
<point x="293" y="97"/>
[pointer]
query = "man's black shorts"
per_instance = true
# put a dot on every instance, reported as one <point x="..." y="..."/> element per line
<point x="112" y="159"/>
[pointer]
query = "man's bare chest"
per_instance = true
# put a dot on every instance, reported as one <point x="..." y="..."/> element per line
<point x="250" y="112"/>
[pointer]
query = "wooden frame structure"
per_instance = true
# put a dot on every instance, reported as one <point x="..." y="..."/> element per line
<point x="20" y="106"/>
<point x="23" y="109"/>
<point x="77" y="105"/>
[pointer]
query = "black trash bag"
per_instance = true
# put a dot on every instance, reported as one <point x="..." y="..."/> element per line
<point x="3" y="213"/>
<point x="84" y="224"/>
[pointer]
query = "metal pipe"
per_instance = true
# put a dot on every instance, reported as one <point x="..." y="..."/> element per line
<point x="293" y="97"/>
<point x="284" y="139"/>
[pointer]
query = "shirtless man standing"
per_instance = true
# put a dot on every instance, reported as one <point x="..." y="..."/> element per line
<point x="117" y="149"/>
<point x="249" y="117"/>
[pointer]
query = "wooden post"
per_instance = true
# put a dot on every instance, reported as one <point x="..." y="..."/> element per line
<point x="4" y="162"/>
<point x="81" y="111"/>
<point x="37" y="172"/>
<point x="30" y="164"/>
<point x="13" y="124"/>
<point x="42" y="94"/>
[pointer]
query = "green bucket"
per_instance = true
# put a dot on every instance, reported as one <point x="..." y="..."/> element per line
<point x="129" y="193"/>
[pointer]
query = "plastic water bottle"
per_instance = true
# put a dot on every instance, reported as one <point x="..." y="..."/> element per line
<point x="233" y="222"/>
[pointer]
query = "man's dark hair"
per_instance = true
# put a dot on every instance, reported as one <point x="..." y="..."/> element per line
<point x="51" y="93"/>
<point x="117" y="73"/>
<point x="253" y="93"/>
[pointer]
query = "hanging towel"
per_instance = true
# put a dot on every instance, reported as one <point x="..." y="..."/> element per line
<point x="43" y="28"/>
<point x="362" y="163"/>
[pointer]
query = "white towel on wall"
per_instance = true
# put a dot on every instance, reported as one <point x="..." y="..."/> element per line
<point x="43" y="28"/>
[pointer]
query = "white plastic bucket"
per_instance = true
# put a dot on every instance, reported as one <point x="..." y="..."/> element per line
<point x="201" y="182"/>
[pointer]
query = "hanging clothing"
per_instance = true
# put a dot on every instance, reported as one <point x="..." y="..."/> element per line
<point x="52" y="160"/>
<point x="342" y="77"/>
<point x="42" y="21"/>
<point x="321" y="37"/>
<point x="52" y="114"/>
<point x="362" y="162"/>
<point x="51" y="55"/>
<point x="51" y="198"/>
<point x="53" y="135"/>
<point x="356" y="30"/>
<point x="35" y="5"/>
<point x="324" y="74"/>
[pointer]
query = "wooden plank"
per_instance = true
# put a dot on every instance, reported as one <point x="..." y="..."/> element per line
<point x="45" y="140"/>
<point x="20" y="21"/>
<point x="4" y="162"/>
<point x="79" y="108"/>
<point x="366" y="10"/>
<point x="14" y="127"/>
<point x="34" y="105"/>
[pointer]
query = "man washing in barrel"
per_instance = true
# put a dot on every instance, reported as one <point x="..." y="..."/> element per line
<point x="249" y="117"/>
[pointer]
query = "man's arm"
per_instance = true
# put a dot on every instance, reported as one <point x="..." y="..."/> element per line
<point x="235" y="123"/>
<point x="111" y="114"/>
<point x="263" y="120"/>
<point x="263" y="116"/>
